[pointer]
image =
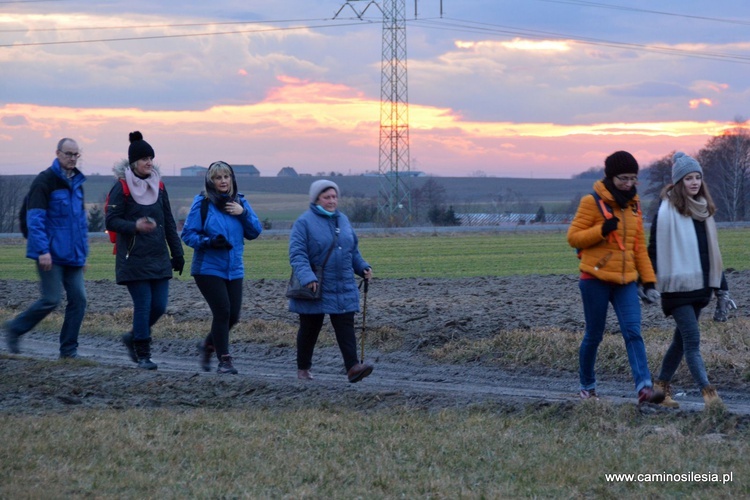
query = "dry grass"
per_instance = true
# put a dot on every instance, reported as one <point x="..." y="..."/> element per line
<point x="541" y="451"/>
<point x="725" y="348"/>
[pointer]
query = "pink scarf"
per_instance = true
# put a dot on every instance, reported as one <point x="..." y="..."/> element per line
<point x="144" y="191"/>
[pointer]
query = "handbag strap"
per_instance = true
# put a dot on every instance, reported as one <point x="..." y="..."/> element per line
<point x="335" y="240"/>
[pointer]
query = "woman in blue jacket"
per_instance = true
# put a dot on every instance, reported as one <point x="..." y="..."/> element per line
<point x="317" y="231"/>
<point x="219" y="221"/>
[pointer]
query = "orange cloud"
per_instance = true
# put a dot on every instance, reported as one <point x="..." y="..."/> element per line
<point x="318" y="123"/>
<point x="695" y="103"/>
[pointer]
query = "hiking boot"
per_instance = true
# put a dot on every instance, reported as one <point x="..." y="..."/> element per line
<point x="127" y="339"/>
<point x="147" y="364"/>
<point x="206" y="352"/>
<point x="304" y="375"/>
<point x="225" y="365"/>
<point x="11" y="341"/>
<point x="143" y="352"/>
<point x="72" y="355"/>
<point x="711" y="397"/>
<point x="358" y="372"/>
<point x="650" y="395"/>
<point x="666" y="388"/>
<point x="588" y="394"/>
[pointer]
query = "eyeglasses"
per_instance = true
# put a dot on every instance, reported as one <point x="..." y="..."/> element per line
<point x="621" y="178"/>
<point x="71" y="154"/>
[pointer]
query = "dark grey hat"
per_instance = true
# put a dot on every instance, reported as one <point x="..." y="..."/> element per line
<point x="682" y="165"/>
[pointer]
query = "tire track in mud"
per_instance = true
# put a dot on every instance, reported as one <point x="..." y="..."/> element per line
<point x="398" y="378"/>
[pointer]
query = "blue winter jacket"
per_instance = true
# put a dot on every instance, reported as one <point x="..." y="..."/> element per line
<point x="219" y="262"/>
<point x="311" y="237"/>
<point x="56" y="217"/>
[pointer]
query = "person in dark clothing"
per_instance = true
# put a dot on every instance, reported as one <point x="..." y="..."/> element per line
<point x="58" y="242"/>
<point x="140" y="213"/>
<point x="219" y="221"/>
<point x="684" y="250"/>
<point x="320" y="231"/>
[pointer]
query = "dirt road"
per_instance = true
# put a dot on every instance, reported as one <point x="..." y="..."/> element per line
<point x="427" y="312"/>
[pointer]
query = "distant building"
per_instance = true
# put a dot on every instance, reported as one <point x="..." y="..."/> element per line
<point x="245" y="171"/>
<point x="194" y="171"/>
<point x="287" y="172"/>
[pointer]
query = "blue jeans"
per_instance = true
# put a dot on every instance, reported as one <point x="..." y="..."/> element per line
<point x="149" y="304"/>
<point x="597" y="295"/>
<point x="51" y="285"/>
<point x="686" y="340"/>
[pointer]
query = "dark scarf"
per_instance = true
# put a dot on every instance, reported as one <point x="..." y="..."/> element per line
<point x="220" y="200"/>
<point x="622" y="198"/>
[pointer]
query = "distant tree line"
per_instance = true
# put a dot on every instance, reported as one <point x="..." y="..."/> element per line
<point x="725" y="160"/>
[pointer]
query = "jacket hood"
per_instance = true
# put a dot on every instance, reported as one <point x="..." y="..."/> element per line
<point x="119" y="168"/>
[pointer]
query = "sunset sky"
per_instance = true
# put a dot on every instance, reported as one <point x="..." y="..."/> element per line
<point x="523" y="88"/>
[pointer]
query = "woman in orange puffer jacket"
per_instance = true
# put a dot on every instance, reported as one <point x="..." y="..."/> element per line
<point x="608" y="231"/>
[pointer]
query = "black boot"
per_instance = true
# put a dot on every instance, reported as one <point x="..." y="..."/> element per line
<point x="143" y="352"/>
<point x="127" y="339"/>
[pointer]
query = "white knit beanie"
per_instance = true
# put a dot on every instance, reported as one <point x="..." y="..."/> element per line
<point x="682" y="165"/>
<point x="318" y="187"/>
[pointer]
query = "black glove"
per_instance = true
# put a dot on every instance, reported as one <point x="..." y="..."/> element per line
<point x="220" y="241"/>
<point x="178" y="264"/>
<point x="609" y="226"/>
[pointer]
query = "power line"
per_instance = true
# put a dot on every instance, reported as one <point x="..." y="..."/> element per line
<point x="647" y="11"/>
<point x="445" y="24"/>
<point x="147" y="26"/>
<point x="184" y="35"/>
<point x="493" y="29"/>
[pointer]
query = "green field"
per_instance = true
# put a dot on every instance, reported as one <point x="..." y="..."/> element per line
<point x="437" y="255"/>
<point x="356" y="447"/>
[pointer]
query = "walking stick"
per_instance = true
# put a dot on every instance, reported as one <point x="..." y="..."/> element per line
<point x="364" y="319"/>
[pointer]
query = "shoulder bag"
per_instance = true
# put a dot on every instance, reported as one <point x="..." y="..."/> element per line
<point x="295" y="290"/>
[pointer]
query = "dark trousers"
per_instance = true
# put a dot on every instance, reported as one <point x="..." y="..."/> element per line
<point x="307" y="337"/>
<point x="224" y="298"/>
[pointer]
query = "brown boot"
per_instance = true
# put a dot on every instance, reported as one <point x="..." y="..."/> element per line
<point x="711" y="397"/>
<point x="666" y="387"/>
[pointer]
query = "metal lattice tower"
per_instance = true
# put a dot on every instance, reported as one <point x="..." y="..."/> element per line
<point x="394" y="201"/>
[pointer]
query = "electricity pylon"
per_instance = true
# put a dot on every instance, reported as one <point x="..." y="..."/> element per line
<point x="394" y="199"/>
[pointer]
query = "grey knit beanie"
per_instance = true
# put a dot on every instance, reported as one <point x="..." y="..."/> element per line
<point x="682" y="165"/>
<point x="318" y="187"/>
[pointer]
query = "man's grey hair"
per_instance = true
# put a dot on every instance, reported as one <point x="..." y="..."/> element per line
<point x="62" y="142"/>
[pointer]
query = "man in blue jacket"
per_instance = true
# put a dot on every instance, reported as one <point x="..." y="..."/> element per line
<point x="58" y="242"/>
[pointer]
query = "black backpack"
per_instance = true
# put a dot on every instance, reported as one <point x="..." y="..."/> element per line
<point x="22" y="217"/>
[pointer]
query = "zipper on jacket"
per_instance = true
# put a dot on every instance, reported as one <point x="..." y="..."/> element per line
<point x="624" y="243"/>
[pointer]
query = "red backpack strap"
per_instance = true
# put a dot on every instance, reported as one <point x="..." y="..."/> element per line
<point x="125" y="188"/>
<point x="606" y="211"/>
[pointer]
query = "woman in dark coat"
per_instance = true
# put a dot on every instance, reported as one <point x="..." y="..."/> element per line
<point x="148" y="247"/>
<point x="322" y="228"/>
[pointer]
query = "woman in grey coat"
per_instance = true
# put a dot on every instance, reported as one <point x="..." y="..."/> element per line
<point x="317" y="231"/>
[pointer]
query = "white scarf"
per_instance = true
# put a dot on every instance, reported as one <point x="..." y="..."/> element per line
<point x="144" y="191"/>
<point x="678" y="262"/>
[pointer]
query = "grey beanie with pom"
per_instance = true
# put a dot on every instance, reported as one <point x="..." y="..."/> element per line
<point x="318" y="187"/>
<point x="682" y="165"/>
